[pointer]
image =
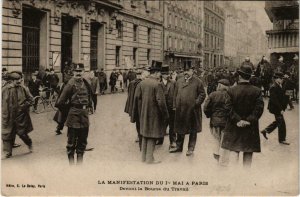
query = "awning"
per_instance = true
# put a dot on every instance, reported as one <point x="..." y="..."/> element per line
<point x="188" y="56"/>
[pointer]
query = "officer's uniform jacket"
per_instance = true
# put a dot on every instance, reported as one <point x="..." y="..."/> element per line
<point x="76" y="94"/>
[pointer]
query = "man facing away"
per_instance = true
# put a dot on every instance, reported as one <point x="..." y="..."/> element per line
<point x="153" y="113"/>
<point x="188" y="97"/>
<point x="241" y="133"/>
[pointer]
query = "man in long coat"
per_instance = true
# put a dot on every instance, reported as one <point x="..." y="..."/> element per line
<point x="241" y="133"/>
<point x="129" y="107"/>
<point x="153" y="113"/>
<point x="188" y="97"/>
<point x="16" y="101"/>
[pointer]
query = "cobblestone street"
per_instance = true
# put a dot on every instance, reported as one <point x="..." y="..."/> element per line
<point x="116" y="157"/>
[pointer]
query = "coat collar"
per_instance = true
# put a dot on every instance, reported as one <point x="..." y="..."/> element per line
<point x="189" y="81"/>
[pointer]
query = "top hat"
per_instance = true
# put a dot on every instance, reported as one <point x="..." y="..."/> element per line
<point x="79" y="67"/>
<point x="224" y="82"/>
<point x="155" y="66"/>
<point x="278" y="75"/>
<point x="165" y="69"/>
<point x="47" y="70"/>
<point x="245" y="70"/>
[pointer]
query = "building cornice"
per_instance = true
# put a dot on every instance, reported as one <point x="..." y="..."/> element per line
<point x="141" y="17"/>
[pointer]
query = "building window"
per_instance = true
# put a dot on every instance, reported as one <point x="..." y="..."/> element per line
<point x="170" y="19"/>
<point x="176" y="21"/>
<point x="118" y="49"/>
<point x="134" y="56"/>
<point x="66" y="39"/>
<point x="135" y="32"/>
<point x="94" y="46"/>
<point x="148" y="55"/>
<point x="119" y="27"/>
<point x="31" y="40"/>
<point x="149" y="35"/>
<point x="170" y="42"/>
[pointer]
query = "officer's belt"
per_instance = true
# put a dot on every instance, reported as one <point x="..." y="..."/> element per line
<point x="79" y="106"/>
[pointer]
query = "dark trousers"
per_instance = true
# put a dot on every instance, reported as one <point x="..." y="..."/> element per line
<point x="9" y="140"/>
<point x="192" y="141"/>
<point x="77" y="140"/>
<point x="113" y="88"/>
<point x="102" y="88"/>
<point x="148" y="146"/>
<point x="280" y="123"/>
<point x="137" y="125"/>
<point x="172" y="134"/>
<point x="60" y="126"/>
<point x="94" y="98"/>
<point x="36" y="103"/>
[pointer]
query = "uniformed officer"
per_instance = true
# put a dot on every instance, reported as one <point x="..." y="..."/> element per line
<point x="77" y="93"/>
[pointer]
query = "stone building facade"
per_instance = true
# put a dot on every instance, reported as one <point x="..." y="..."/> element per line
<point x="214" y="34"/>
<point x="183" y="33"/>
<point x="45" y="34"/>
<point x="283" y="39"/>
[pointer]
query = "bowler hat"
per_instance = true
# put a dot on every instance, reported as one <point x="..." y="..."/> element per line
<point x="79" y="66"/>
<point x="4" y="69"/>
<point x="245" y="70"/>
<point x="224" y="82"/>
<point x="278" y="75"/>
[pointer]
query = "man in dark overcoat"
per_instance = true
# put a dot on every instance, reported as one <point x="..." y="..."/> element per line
<point x="113" y="80"/>
<point x="153" y="113"/>
<point x="102" y="81"/>
<point x="188" y="97"/>
<point x="241" y="133"/>
<point x="277" y="105"/>
<point x="77" y="93"/>
<point x="16" y="101"/>
<point x="169" y="88"/>
<point x="129" y="107"/>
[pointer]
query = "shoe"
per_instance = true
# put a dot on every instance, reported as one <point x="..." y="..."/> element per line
<point x="58" y="132"/>
<point x="172" y="145"/>
<point x="159" y="142"/>
<point x="264" y="133"/>
<point x="284" y="142"/>
<point x="89" y="149"/>
<point x="8" y="155"/>
<point x="137" y="140"/>
<point x="30" y="148"/>
<point x="175" y="150"/>
<point x="217" y="157"/>
<point x="153" y="162"/>
<point x="16" y="145"/>
<point x="290" y="109"/>
<point x="189" y="153"/>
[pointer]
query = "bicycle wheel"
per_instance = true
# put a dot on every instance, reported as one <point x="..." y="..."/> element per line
<point x="52" y="100"/>
<point x="40" y="105"/>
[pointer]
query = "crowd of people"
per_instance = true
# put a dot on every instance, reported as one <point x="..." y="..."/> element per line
<point x="159" y="98"/>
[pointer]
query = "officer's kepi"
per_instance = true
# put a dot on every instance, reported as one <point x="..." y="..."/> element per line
<point x="79" y="67"/>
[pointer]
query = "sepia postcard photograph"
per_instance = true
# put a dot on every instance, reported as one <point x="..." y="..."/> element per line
<point x="149" y="98"/>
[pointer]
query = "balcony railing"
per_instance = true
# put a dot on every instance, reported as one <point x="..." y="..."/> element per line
<point x="280" y="39"/>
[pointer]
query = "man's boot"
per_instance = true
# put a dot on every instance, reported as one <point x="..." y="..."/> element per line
<point x="71" y="159"/>
<point x="79" y="159"/>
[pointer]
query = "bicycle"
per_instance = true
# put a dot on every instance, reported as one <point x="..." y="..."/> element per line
<point x="42" y="102"/>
